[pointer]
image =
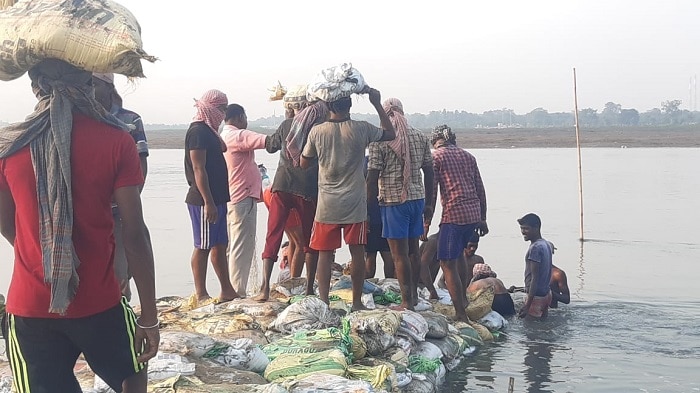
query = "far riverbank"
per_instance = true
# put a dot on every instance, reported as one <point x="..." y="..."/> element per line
<point x="514" y="138"/>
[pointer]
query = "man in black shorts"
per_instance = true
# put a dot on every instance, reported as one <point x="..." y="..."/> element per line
<point x="59" y="171"/>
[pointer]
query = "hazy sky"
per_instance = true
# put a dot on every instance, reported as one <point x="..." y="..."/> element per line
<point x="433" y="55"/>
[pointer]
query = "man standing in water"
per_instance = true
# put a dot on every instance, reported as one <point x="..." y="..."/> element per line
<point x="60" y="171"/>
<point x="394" y="177"/>
<point x="206" y="174"/>
<point x="538" y="268"/>
<point x="463" y="210"/>
<point x="339" y="146"/>
<point x="107" y="95"/>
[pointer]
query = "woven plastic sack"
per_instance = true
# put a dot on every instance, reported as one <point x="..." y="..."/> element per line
<point x="479" y="303"/>
<point x="336" y="82"/>
<point x="378" y="376"/>
<point x="320" y="383"/>
<point x="303" y="364"/>
<point x="94" y="35"/>
<point x="241" y="354"/>
<point x="413" y="325"/>
<point x="310" y="313"/>
<point x="310" y="342"/>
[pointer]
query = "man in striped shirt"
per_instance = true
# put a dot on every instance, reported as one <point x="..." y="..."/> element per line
<point x="463" y="210"/>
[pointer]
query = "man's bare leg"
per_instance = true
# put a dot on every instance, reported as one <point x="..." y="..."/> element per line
<point x="323" y="274"/>
<point x="370" y="264"/>
<point x="136" y="383"/>
<point x="414" y="258"/>
<point x="264" y="295"/>
<point x="295" y="251"/>
<point x="199" y="261"/>
<point x="389" y="268"/>
<point x="311" y="267"/>
<point x="220" y="264"/>
<point x="455" y="287"/>
<point x="357" y="252"/>
<point x="463" y="275"/>
<point x="399" y="251"/>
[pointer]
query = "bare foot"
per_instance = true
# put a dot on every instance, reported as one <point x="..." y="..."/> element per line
<point x="462" y="318"/>
<point x="401" y="307"/>
<point x="228" y="296"/>
<point x="359" y="307"/>
<point x="263" y="296"/>
<point x="203" y="298"/>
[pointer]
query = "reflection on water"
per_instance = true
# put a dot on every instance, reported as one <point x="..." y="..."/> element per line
<point x="581" y="271"/>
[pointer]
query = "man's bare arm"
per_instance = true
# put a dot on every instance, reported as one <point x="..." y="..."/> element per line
<point x="201" y="179"/>
<point x="7" y="216"/>
<point x="562" y="295"/>
<point x="139" y="256"/>
<point x="305" y="163"/>
<point x="376" y="99"/>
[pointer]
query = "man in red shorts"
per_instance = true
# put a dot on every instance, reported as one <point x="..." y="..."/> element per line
<point x="339" y="146"/>
<point x="58" y="173"/>
<point x="293" y="189"/>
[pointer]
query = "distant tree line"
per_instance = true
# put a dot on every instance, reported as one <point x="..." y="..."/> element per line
<point x="611" y="115"/>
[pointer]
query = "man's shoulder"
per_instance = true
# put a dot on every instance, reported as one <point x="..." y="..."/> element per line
<point x="127" y="115"/>
<point x="82" y="123"/>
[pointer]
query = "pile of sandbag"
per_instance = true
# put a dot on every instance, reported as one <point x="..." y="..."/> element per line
<point x="308" y="347"/>
<point x="94" y="35"/>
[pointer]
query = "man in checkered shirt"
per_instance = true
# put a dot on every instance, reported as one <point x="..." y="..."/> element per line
<point x="394" y="173"/>
<point x="463" y="210"/>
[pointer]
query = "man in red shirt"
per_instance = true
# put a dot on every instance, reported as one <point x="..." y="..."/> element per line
<point x="59" y="171"/>
<point x="463" y="210"/>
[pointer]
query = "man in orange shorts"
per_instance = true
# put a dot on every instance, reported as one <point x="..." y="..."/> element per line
<point x="339" y="146"/>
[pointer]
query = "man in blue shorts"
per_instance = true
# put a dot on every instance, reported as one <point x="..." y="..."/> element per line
<point x="463" y="210"/>
<point x="394" y="174"/>
<point x="207" y="176"/>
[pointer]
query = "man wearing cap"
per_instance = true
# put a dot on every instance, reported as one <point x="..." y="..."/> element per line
<point x="107" y="95"/>
<point x="538" y="268"/>
<point x="463" y="210"/>
<point x="484" y="277"/>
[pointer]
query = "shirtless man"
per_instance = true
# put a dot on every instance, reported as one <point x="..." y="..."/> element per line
<point x="484" y="277"/>
<point x="559" y="287"/>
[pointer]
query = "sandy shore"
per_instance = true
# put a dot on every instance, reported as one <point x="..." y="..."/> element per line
<point x="507" y="138"/>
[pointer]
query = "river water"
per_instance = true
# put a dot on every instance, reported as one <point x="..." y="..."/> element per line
<point x="633" y="322"/>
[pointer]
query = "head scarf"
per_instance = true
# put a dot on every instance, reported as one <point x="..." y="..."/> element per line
<point x="61" y="89"/>
<point x="443" y="132"/>
<point x="482" y="270"/>
<point x="117" y="101"/>
<point x="208" y="109"/>
<point x="394" y="108"/>
<point x="301" y="125"/>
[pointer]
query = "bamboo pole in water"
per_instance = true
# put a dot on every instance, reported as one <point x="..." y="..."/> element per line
<point x="578" y="150"/>
<point x="511" y="385"/>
